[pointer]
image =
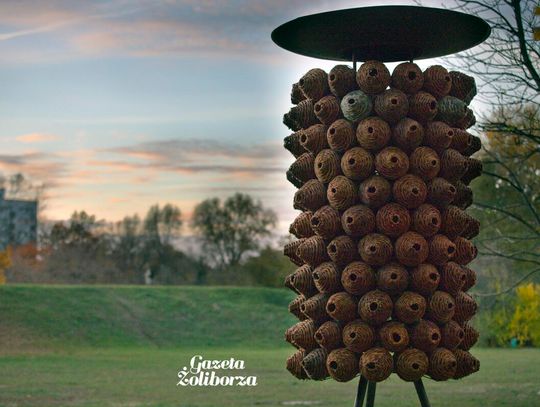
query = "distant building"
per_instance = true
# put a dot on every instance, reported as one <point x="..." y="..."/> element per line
<point x="18" y="221"/>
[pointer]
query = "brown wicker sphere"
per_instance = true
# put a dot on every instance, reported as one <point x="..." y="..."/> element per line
<point x="342" y="307"/>
<point x="315" y="307"/>
<point x="392" y="105"/>
<point x="375" y="191"/>
<point x="393" y="220"/>
<point x="408" y="134"/>
<point x="426" y="220"/>
<point x="438" y="135"/>
<point x="373" y="77"/>
<point x="411" y="249"/>
<point x="289" y="250"/>
<point x="407" y="77"/>
<point x="358" y="221"/>
<point x="314" y="364"/>
<point x="292" y="144"/>
<point x="425" y="163"/>
<point x="411" y="364"/>
<point x="453" y="277"/>
<point x="463" y="86"/>
<point x="373" y="133"/>
<point x="376" y="364"/>
<point x="410" y="191"/>
<point x="314" y="84"/>
<point x="357" y="164"/>
<point x="301" y="170"/>
<point x="424" y="279"/>
<point x="296" y="94"/>
<point x="441" y="307"/>
<point x="342" y="250"/>
<point x="300" y="116"/>
<point x="441" y="250"/>
<point x="375" y="249"/>
<point x="312" y="251"/>
<point x="422" y="107"/>
<point x="394" y="336"/>
<point x="466" y="307"/>
<point x="468" y="120"/>
<point x="452" y="110"/>
<point x="358" y="336"/>
<point x="461" y="141"/>
<point x="425" y="335"/>
<point x="470" y="278"/>
<point x="358" y="278"/>
<point x="327" y="165"/>
<point x="442" y="364"/>
<point x="288" y="282"/>
<point x="466" y="251"/>
<point x="476" y="145"/>
<point x="452" y="335"/>
<point x="327" y="110"/>
<point x="341" y="135"/>
<point x="342" y="365"/>
<point x="453" y="165"/>
<point x="392" y="278"/>
<point x="463" y="195"/>
<point x="328" y="336"/>
<point x="294" y="307"/>
<point x="313" y="139"/>
<point x="327" y="278"/>
<point x="341" y="80"/>
<point x="437" y="81"/>
<point x="474" y="170"/>
<point x="375" y="307"/>
<point x="311" y="196"/>
<point x="301" y="226"/>
<point x="342" y="193"/>
<point x="302" y="335"/>
<point x="410" y="307"/>
<point x="466" y="364"/>
<point x="326" y="222"/>
<point x="441" y="192"/>
<point x="294" y="364"/>
<point x="392" y="163"/>
<point x="472" y="229"/>
<point x="454" y="221"/>
<point x="470" y="337"/>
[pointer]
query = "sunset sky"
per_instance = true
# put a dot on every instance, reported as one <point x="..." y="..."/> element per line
<point x="117" y="105"/>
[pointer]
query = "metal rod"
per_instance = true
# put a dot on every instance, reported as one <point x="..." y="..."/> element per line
<point x="370" y="400"/>
<point x="360" y="392"/>
<point x="421" y="391"/>
<point x="354" y="61"/>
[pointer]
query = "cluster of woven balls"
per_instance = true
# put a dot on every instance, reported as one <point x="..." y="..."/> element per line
<point x="383" y="164"/>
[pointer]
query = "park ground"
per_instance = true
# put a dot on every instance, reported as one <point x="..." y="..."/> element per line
<point x="123" y="346"/>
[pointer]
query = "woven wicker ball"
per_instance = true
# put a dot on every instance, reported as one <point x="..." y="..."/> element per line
<point x="296" y="94"/>
<point x="466" y="251"/>
<point x="342" y="365"/>
<point x="342" y="307"/>
<point x="327" y="278"/>
<point x="358" y="221"/>
<point x="425" y="335"/>
<point x="292" y="144"/>
<point x="466" y="364"/>
<point x="452" y="335"/>
<point x="425" y="163"/>
<point x="392" y="278"/>
<point x="342" y="193"/>
<point x="358" y="336"/>
<point x="341" y="80"/>
<point x="393" y="220"/>
<point x="470" y="278"/>
<point x="288" y="283"/>
<point x="375" y="249"/>
<point x="468" y="121"/>
<point x="300" y="116"/>
<point x="375" y="307"/>
<point x="302" y="281"/>
<point x="301" y="225"/>
<point x="301" y="170"/>
<point x="373" y="77"/>
<point x="294" y="364"/>
<point x="407" y="77"/>
<point x="410" y="307"/>
<point x="454" y="221"/>
<point x="408" y="134"/>
<point x="422" y="107"/>
<point x="411" y="249"/>
<point x="313" y="138"/>
<point x="392" y="105"/>
<point x="463" y="86"/>
<point x="376" y="364"/>
<point x="426" y="220"/>
<point x="358" y="278"/>
<point x="451" y="110"/>
<point x="441" y="307"/>
<point x="289" y="250"/>
<point x="294" y="307"/>
<point x="438" y="135"/>
<point x="375" y="191"/>
<point x="437" y="81"/>
<point x="461" y="141"/>
<point x="314" y="364"/>
<point x="470" y="337"/>
<point x="453" y="165"/>
<point x="474" y="170"/>
<point x="326" y="222"/>
<point x="312" y="251"/>
<point x="411" y="364"/>
<point x="410" y="191"/>
<point x="442" y="364"/>
<point x="373" y="133"/>
<point x="392" y="163"/>
<point x="311" y="196"/>
<point x="466" y="307"/>
<point x="342" y="250"/>
<point x="453" y="277"/>
<point x="302" y="335"/>
<point x="328" y="336"/>
<point x="356" y="105"/>
<point x="327" y="165"/>
<point x="327" y="110"/>
<point x="341" y="135"/>
<point x="473" y="228"/>
<point x="441" y="192"/>
<point x="476" y="145"/>
<point x="441" y="250"/>
<point x="394" y="336"/>
<point x="463" y="195"/>
<point x="357" y="164"/>
<point x="315" y="307"/>
<point x="314" y="84"/>
<point x="424" y="279"/>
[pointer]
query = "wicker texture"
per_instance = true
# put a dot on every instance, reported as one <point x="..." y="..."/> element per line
<point x="466" y="364"/>
<point x="441" y="250"/>
<point x="442" y="364"/>
<point x="358" y="221"/>
<point x="375" y="249"/>
<point x="358" y="336"/>
<point x="301" y="170"/>
<point x="358" y="278"/>
<point x="326" y="222"/>
<point x="296" y="94"/>
<point x="424" y="279"/>
<point x="294" y="364"/>
<point x="293" y="145"/>
<point x="441" y="192"/>
<point x="461" y="141"/>
<point x="466" y="307"/>
<point x="474" y="170"/>
<point x="392" y="163"/>
<point x="411" y="249"/>
<point x="438" y="135"/>
<point x="470" y="278"/>
<point x="392" y="278"/>
<point x="373" y="133"/>
<point x="422" y="107"/>
<point x="313" y="138"/>
<point x="408" y="134"/>
<point x="342" y="307"/>
<point x="302" y="281"/>
<point x="311" y="196"/>
<point x="425" y="335"/>
<point x="376" y="364"/>
<point x="375" y="307"/>
<point x="441" y="307"/>
<point x="410" y="191"/>
<point x="470" y="337"/>
<point x="426" y="220"/>
<point x="476" y="145"/>
<point x="302" y="335"/>
<point x="452" y="110"/>
<point x="452" y="335"/>
<point x="373" y="77"/>
<point x="312" y="251"/>
<point x="314" y="364"/>
<point x="394" y="336"/>
<point x="314" y="84"/>
<point x="300" y="116"/>
<point x="453" y="165"/>
<point x="342" y="250"/>
<point x="289" y="250"/>
<point x="472" y="229"/>
<point x="453" y="277"/>
<point x="463" y="86"/>
<point x="468" y="120"/>
<point x="341" y="135"/>
<point x="342" y="193"/>
<point x="466" y="251"/>
<point x="357" y="164"/>
<point x="393" y="220"/>
<point x="410" y="307"/>
<point x="301" y="226"/>
<point x="454" y="221"/>
<point x="327" y="110"/>
<point x="437" y="81"/>
<point x="315" y="308"/>
<point x="328" y="336"/>
<point x="407" y="77"/>
<point x="342" y="365"/>
<point x="425" y="163"/>
<point x="327" y="165"/>
<point x="356" y="105"/>
<point x="411" y="364"/>
<point x="327" y="278"/>
<point x="294" y="307"/>
<point x="375" y="191"/>
<point x="463" y="195"/>
<point x="341" y="80"/>
<point x="392" y="105"/>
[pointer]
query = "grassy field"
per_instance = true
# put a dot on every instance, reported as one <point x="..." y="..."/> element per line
<point x="123" y="346"/>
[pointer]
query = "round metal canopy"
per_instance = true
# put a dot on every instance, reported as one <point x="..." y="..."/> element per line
<point x="384" y="33"/>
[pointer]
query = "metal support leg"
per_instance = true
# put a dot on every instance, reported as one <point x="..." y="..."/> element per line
<point x="421" y="391"/>
<point x="370" y="400"/>
<point x="361" y="392"/>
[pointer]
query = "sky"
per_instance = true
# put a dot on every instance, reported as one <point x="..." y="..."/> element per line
<point x="116" y="105"/>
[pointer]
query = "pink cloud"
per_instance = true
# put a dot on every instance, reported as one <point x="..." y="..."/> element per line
<point x="36" y="138"/>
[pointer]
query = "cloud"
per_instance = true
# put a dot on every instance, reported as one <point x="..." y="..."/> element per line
<point x="31" y="138"/>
